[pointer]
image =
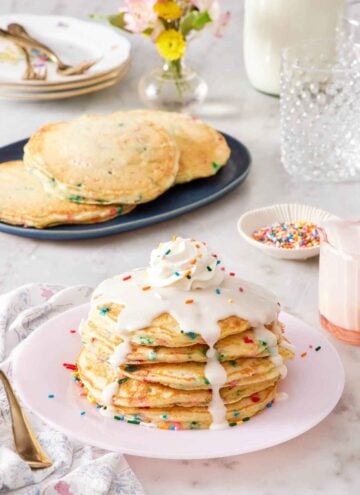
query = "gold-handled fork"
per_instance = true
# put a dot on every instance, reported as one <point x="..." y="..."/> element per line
<point x="26" y="444"/>
<point x="18" y="30"/>
<point x="21" y="37"/>
<point x="30" y="73"/>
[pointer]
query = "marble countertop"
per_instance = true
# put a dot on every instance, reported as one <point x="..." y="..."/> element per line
<point x="324" y="460"/>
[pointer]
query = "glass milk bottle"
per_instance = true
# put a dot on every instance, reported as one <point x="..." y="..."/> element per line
<point x="271" y="25"/>
<point x="339" y="280"/>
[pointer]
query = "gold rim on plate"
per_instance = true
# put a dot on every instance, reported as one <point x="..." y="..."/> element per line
<point x="65" y="94"/>
<point x="64" y="85"/>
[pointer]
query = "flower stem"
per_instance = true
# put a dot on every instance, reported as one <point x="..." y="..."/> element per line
<point x="176" y="69"/>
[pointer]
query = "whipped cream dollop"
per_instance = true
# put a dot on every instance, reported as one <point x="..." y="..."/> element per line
<point x="185" y="264"/>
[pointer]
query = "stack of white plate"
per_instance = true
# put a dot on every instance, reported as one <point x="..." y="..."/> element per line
<point x="74" y="41"/>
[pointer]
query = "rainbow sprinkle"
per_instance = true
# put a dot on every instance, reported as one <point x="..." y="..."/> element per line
<point x="69" y="366"/>
<point x="290" y="235"/>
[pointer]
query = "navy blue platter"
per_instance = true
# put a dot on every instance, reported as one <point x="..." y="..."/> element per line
<point x="177" y="201"/>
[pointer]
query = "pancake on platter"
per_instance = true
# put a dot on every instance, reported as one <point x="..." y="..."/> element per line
<point x="100" y="160"/>
<point x="203" y="150"/>
<point x="182" y="344"/>
<point x="23" y="201"/>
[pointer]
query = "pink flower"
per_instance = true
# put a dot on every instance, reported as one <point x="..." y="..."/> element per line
<point x="139" y="15"/>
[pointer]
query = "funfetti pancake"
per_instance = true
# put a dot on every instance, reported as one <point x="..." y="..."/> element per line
<point x="203" y="150"/>
<point x="23" y="201"/>
<point x="182" y="342"/>
<point x="100" y="160"/>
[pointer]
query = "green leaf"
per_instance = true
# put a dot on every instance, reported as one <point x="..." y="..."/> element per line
<point x="148" y="31"/>
<point x="194" y="21"/>
<point x="202" y="19"/>
<point x="187" y="23"/>
<point x="118" y="20"/>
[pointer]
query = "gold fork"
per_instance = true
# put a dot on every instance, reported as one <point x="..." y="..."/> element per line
<point x="18" y="31"/>
<point x="30" y="73"/>
<point x="26" y="444"/>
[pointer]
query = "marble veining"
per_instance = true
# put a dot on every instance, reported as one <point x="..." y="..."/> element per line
<point x="325" y="459"/>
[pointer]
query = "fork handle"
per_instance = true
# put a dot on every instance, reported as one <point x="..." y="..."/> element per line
<point x="27" y="445"/>
<point x="29" y="42"/>
<point x="19" y="30"/>
<point x="29" y="71"/>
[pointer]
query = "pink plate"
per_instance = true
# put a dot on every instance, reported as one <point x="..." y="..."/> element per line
<point x="38" y="373"/>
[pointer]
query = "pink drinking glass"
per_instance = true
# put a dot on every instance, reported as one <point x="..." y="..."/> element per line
<point x="339" y="291"/>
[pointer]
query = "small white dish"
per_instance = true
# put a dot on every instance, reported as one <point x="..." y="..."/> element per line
<point x="255" y="219"/>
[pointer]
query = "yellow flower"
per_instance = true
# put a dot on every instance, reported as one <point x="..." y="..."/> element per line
<point x="168" y="10"/>
<point x="171" y="44"/>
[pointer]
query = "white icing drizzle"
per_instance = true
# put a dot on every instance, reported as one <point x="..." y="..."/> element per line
<point x="208" y="307"/>
<point x="121" y="351"/>
<point x="108" y="392"/>
<point x="185" y="280"/>
<point x="265" y="335"/>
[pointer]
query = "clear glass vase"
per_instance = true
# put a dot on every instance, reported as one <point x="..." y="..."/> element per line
<point x="172" y="87"/>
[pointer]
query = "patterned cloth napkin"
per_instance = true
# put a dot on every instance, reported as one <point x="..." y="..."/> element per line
<point x="77" y="469"/>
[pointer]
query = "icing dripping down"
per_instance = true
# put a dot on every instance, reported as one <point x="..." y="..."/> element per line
<point x="265" y="335"/>
<point x="216" y="375"/>
<point x="181" y="271"/>
<point x="108" y="393"/>
<point x="121" y="351"/>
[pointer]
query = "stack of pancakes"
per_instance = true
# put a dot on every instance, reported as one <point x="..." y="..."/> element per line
<point x="95" y="167"/>
<point x="162" y="375"/>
